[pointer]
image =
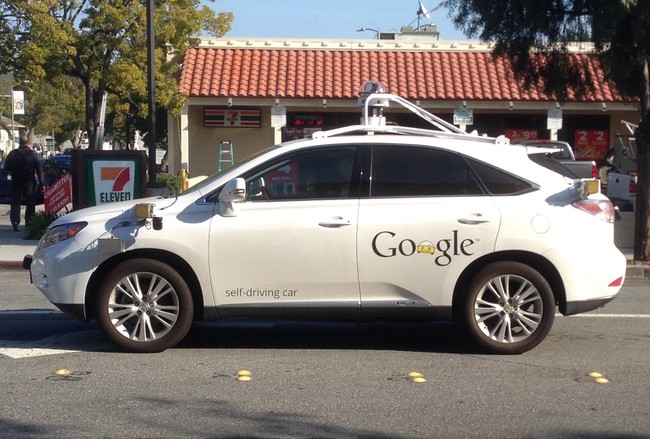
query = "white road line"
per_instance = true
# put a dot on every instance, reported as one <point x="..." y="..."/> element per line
<point x="16" y="352"/>
<point x="612" y="316"/>
<point x="71" y="342"/>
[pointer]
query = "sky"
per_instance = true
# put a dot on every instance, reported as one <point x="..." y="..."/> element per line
<point x="335" y="19"/>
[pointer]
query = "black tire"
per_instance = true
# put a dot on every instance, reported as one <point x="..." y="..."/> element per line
<point x="151" y="325"/>
<point x="509" y="308"/>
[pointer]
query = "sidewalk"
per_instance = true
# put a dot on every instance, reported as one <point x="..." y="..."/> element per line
<point x="14" y="246"/>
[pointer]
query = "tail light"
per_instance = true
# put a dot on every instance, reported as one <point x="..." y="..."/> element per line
<point x="617" y="283"/>
<point x="633" y="182"/>
<point x="594" y="171"/>
<point x="601" y="209"/>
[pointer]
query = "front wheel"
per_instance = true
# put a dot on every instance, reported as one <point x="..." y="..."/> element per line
<point x="509" y="308"/>
<point x="144" y="305"/>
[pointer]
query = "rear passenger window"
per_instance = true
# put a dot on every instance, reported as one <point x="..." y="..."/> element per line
<point x="498" y="182"/>
<point x="405" y="171"/>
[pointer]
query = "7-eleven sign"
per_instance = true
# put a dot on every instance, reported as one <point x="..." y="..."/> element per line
<point x="113" y="181"/>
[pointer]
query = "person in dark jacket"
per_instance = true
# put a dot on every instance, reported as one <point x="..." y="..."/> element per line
<point x="24" y="164"/>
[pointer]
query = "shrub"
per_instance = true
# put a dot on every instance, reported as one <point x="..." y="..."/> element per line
<point x="38" y="224"/>
<point x="171" y="182"/>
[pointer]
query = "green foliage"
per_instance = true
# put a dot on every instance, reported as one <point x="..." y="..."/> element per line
<point x="54" y="107"/>
<point x="102" y="45"/>
<point x="536" y="36"/>
<point x="171" y="182"/>
<point x="38" y="224"/>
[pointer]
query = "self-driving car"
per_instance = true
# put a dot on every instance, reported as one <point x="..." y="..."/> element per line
<point x="368" y="222"/>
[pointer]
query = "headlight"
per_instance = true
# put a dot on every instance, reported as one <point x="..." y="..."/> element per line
<point x="60" y="233"/>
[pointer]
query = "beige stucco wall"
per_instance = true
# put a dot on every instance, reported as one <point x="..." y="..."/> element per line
<point x="204" y="141"/>
<point x="197" y="147"/>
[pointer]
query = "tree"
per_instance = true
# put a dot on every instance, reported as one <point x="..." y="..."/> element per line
<point x="53" y="107"/>
<point x="535" y="35"/>
<point x="102" y="44"/>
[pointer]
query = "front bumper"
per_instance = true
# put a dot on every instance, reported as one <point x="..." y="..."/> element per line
<point x="27" y="262"/>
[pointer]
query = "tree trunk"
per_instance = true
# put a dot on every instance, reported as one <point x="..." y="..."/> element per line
<point x="642" y="208"/>
<point x="90" y="113"/>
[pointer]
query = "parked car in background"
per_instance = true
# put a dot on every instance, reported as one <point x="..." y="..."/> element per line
<point x="5" y="184"/>
<point x="63" y="161"/>
<point x="566" y="156"/>
<point x="51" y="172"/>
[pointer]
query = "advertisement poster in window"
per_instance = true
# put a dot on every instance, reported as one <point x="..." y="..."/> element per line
<point x="283" y="182"/>
<point x="591" y="144"/>
<point x="521" y="135"/>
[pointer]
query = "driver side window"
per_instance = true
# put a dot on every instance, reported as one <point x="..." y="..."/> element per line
<point x="322" y="173"/>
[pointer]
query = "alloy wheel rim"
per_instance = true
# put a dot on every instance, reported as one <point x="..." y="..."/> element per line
<point x="508" y="309"/>
<point x="143" y="307"/>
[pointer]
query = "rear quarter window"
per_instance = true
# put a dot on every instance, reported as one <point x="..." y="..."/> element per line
<point x="499" y="182"/>
<point x="549" y="161"/>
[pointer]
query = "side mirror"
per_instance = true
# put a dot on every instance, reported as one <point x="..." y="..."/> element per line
<point x="233" y="192"/>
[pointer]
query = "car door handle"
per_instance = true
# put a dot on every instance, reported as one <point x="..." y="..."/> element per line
<point x="474" y="219"/>
<point x="334" y="222"/>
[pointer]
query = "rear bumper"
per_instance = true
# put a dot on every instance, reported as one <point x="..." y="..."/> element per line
<point x="584" y="306"/>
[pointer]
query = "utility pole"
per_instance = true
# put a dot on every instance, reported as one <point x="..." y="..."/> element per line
<point x="151" y="93"/>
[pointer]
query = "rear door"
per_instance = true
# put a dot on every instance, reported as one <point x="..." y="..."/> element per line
<point x="426" y="219"/>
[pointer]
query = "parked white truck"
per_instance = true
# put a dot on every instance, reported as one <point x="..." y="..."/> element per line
<point x="622" y="176"/>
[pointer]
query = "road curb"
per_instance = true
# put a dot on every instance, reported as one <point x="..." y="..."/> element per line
<point x="11" y="264"/>
<point x="637" y="272"/>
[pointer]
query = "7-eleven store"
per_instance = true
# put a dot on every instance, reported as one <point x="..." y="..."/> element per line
<point x="239" y="92"/>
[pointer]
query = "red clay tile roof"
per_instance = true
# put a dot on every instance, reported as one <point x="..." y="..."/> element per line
<point x="339" y="74"/>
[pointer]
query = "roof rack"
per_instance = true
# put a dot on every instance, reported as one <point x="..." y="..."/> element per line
<point x="373" y="100"/>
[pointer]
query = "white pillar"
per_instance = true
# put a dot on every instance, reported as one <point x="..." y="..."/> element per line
<point x="184" y="125"/>
<point x="178" y="141"/>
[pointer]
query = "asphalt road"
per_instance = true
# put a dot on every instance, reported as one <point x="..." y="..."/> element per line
<point x="323" y="380"/>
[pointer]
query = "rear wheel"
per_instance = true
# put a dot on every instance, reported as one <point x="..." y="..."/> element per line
<point x="144" y="305"/>
<point x="509" y="308"/>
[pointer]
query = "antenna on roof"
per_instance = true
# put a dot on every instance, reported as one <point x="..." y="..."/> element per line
<point x="424" y="12"/>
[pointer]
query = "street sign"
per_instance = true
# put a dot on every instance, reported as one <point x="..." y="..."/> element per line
<point x="554" y="119"/>
<point x="463" y="116"/>
<point x="278" y="117"/>
<point x="59" y="194"/>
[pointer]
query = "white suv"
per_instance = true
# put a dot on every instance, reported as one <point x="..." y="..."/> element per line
<point x="371" y="222"/>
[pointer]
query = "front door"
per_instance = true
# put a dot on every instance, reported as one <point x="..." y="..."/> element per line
<point x="291" y="249"/>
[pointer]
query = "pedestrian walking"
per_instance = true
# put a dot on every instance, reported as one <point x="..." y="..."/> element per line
<point x="24" y="164"/>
